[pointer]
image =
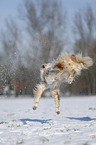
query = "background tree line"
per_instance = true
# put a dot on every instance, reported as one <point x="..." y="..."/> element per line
<point x="40" y="35"/>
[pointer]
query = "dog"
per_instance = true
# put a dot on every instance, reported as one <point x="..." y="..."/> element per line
<point x="64" y="69"/>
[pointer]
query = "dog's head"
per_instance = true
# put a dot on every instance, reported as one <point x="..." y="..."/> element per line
<point x="43" y="67"/>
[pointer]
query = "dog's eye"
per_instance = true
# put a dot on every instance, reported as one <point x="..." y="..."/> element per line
<point x="43" y="66"/>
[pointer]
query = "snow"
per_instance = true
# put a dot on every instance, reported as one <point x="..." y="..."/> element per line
<point x="76" y="124"/>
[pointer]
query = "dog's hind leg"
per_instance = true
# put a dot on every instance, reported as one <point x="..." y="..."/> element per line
<point x="38" y="93"/>
<point x="55" y="93"/>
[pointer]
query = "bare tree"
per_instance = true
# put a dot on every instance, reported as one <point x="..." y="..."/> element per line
<point x="10" y="39"/>
<point x="45" y="23"/>
<point x="85" y="38"/>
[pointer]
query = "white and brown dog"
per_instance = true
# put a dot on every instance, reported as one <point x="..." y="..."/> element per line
<point x="64" y="69"/>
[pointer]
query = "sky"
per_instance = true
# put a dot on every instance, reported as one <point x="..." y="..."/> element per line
<point x="9" y="7"/>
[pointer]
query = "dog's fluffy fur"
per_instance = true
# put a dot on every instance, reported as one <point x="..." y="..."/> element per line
<point x="64" y="69"/>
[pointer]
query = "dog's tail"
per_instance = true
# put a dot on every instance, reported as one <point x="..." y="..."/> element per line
<point x="85" y="61"/>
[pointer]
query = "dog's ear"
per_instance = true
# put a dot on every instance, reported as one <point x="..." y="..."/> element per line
<point x="43" y="66"/>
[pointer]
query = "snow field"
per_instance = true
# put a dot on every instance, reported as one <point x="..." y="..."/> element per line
<point x="76" y="124"/>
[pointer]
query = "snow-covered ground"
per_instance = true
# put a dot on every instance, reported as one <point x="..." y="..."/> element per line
<point x="76" y="124"/>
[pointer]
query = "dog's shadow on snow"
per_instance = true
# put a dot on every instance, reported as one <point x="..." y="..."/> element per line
<point x="42" y="121"/>
<point x="81" y="118"/>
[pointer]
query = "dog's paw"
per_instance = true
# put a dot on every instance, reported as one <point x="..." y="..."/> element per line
<point x="58" y="112"/>
<point x="34" y="107"/>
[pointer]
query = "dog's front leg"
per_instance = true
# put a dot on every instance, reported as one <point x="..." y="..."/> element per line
<point x="57" y="76"/>
<point x="71" y="76"/>
<point x="55" y="93"/>
<point x="38" y="93"/>
<point x="70" y="79"/>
